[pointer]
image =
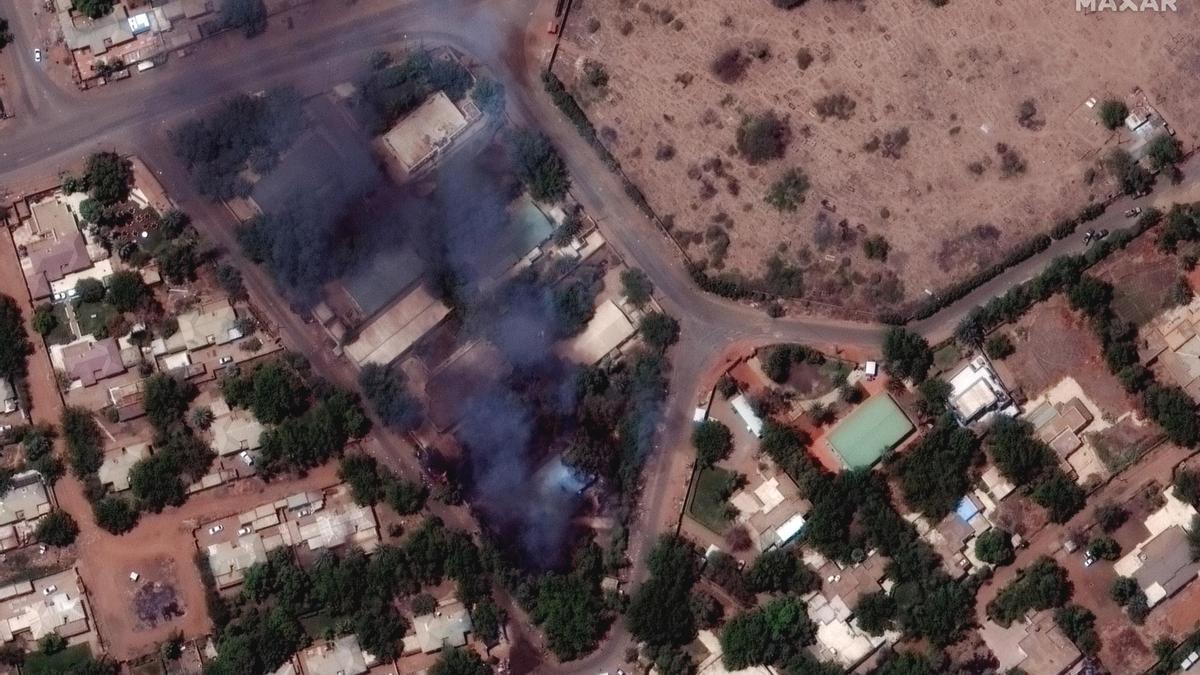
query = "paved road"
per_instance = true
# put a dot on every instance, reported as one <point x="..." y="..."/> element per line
<point x="55" y="128"/>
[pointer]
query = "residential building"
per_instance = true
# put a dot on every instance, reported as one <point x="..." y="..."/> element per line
<point x="88" y="362"/>
<point x="1033" y="646"/>
<point x="25" y="502"/>
<point x="234" y="430"/>
<point x="214" y="323"/>
<point x="55" y="261"/>
<point x="114" y="470"/>
<point x="745" y="411"/>
<point x="446" y="627"/>
<point x="342" y="656"/>
<point x="772" y="510"/>
<point x="8" y="397"/>
<point x="608" y="329"/>
<point x="976" y="389"/>
<point x="34" y="609"/>
<point x="422" y="133"/>
<point x="1163" y="564"/>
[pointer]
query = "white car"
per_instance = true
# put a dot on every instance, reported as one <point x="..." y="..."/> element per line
<point x="49" y="589"/>
<point x="215" y="529"/>
<point x="134" y="576"/>
<point x="244" y="530"/>
<point x="245" y="455"/>
<point x="224" y="359"/>
<point x="37" y="56"/>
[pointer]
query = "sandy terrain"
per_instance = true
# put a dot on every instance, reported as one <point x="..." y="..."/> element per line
<point x="953" y="77"/>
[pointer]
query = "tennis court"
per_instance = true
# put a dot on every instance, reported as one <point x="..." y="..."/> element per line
<point x="874" y="427"/>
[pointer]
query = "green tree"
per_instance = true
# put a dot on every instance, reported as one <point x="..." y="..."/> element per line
<point x="362" y="473"/>
<point x="89" y="290"/>
<point x="115" y="515"/>
<point x="1060" y="496"/>
<point x="126" y="290"/>
<point x="155" y="482"/>
<point x="780" y="571"/>
<point x="1110" y="516"/>
<point x="488" y="94"/>
<point x="659" y="612"/>
<point x="1104" y="548"/>
<point x="999" y="346"/>
<point x="57" y="528"/>
<point x="249" y="15"/>
<point x="1164" y="151"/>
<point x="14" y="343"/>
<point x="166" y="399"/>
<point x="1079" y="624"/>
<point x="178" y="261"/>
<point x="278" y="393"/>
<point x="487" y="621"/>
<point x="935" y="397"/>
<point x="875" y="613"/>
<point x="1043" y="585"/>
<point x="1175" y="412"/>
<point x="1123" y="590"/>
<point x="386" y="390"/>
<point x="934" y="474"/>
<point x="456" y="661"/>
<point x="51" y="643"/>
<point x="1091" y="296"/>
<point x="83" y="441"/>
<point x="1112" y="113"/>
<point x="109" y="175"/>
<point x="713" y="442"/>
<point x="910" y="663"/>
<point x="788" y="192"/>
<point x="763" y="137"/>
<point x="770" y="635"/>
<point x="1131" y="176"/>
<point x="93" y="9"/>
<point x="906" y="355"/>
<point x="876" y="247"/>
<point x="659" y="330"/>
<point x="44" y="321"/>
<point x="539" y="166"/>
<point x="636" y="286"/>
<point x="202" y="417"/>
<point x="995" y="547"/>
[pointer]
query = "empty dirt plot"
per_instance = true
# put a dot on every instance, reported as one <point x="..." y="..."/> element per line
<point x="1053" y="343"/>
<point x="952" y="132"/>
<point x="1145" y="280"/>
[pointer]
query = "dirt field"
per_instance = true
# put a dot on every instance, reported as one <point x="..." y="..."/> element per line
<point x="1142" y="277"/>
<point x="1053" y="342"/>
<point x="952" y="78"/>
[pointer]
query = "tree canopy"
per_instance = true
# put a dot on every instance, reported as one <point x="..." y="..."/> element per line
<point x="1043" y="585"/>
<point x="57" y="528"/>
<point x="14" y="342"/>
<point x="934" y="474"/>
<point x="713" y="442"/>
<point x="995" y="547"/>
<point x="906" y="355"/>
<point x="386" y="390"/>
<point x="659" y="612"/>
<point x="457" y="661"/>
<point x="539" y="165"/>
<point x="108" y="175"/>
<point x="772" y="634"/>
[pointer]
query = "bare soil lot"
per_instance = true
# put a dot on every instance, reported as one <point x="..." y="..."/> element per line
<point x="1052" y="343"/>
<point x="1142" y="278"/>
<point x="915" y="151"/>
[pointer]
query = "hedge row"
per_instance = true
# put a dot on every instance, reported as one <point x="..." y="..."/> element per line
<point x="1062" y="273"/>
<point x="1016" y="256"/>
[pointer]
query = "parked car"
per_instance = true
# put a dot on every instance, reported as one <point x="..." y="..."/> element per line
<point x="245" y="456"/>
<point x="37" y="56"/>
<point x="49" y="589"/>
<point x="1088" y="560"/>
<point x="1101" y="234"/>
<point x="1133" y="212"/>
<point x="245" y="529"/>
<point x="1088" y="236"/>
<point x="224" y="359"/>
<point x="215" y="529"/>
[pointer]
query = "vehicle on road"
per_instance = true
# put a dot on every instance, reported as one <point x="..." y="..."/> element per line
<point x="37" y="56"/>
<point x="1088" y="237"/>
<point x="1101" y="234"/>
<point x="1133" y="212"/>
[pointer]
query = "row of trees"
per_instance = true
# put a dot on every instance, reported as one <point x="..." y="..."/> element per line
<point x="371" y="484"/>
<point x="389" y="89"/>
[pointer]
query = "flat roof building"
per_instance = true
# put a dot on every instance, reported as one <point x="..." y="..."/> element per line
<point x="397" y="329"/>
<point x="342" y="656"/>
<point x="415" y="139"/>
<point x="448" y="626"/>
<point x="25" y="502"/>
<point x="214" y="323"/>
<point x="745" y="411"/>
<point x="608" y="329"/>
<point x="114" y="470"/>
<point x="234" y="430"/>
<point x="53" y="604"/>
<point x="869" y="431"/>
<point x="976" y="389"/>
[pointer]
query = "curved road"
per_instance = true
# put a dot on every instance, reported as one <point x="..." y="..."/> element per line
<point x="56" y="127"/>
